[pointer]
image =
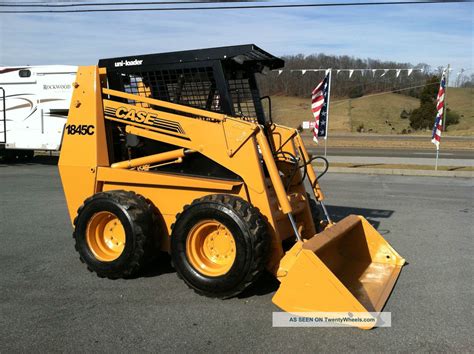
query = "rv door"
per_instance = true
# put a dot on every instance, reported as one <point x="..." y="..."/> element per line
<point x="54" y="98"/>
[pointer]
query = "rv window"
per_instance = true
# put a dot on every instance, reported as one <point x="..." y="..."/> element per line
<point x="24" y="73"/>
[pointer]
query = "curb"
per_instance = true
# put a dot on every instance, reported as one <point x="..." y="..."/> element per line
<point x="402" y="172"/>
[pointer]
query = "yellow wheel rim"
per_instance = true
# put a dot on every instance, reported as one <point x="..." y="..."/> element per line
<point x="210" y="248"/>
<point x="105" y="236"/>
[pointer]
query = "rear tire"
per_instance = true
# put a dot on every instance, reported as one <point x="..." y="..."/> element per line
<point x="113" y="231"/>
<point x="219" y="245"/>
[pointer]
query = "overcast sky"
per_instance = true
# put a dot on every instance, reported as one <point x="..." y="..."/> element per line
<point x="436" y="34"/>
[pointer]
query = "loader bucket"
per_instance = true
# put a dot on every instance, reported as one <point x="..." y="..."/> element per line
<point x="349" y="267"/>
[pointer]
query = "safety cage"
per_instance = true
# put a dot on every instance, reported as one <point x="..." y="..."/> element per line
<point x="217" y="79"/>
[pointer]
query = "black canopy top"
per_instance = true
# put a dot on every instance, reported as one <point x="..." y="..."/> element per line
<point x="245" y="53"/>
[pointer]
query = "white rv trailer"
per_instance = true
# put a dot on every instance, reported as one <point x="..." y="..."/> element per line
<point x="34" y="103"/>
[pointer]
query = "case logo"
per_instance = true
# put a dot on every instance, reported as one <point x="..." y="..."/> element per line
<point x="144" y="117"/>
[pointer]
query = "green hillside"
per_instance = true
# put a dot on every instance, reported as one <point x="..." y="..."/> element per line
<point x="461" y="100"/>
<point x="378" y="114"/>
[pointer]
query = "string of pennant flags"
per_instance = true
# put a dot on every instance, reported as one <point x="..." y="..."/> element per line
<point x="351" y="72"/>
<point x="320" y="98"/>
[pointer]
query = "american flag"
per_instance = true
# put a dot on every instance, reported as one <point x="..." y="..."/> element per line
<point x="438" y="126"/>
<point x="319" y="107"/>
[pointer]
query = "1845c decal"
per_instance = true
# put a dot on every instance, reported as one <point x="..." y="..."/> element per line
<point x="81" y="129"/>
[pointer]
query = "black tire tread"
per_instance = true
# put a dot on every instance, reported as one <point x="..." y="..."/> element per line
<point x="138" y="209"/>
<point x="259" y="237"/>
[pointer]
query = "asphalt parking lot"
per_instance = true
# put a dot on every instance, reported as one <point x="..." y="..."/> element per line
<point x="50" y="302"/>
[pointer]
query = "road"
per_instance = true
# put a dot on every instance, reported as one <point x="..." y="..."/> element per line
<point x="365" y="137"/>
<point x="400" y="153"/>
<point x="50" y="302"/>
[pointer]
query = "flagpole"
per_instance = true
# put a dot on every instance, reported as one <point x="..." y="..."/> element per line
<point x="325" y="147"/>
<point x="327" y="112"/>
<point x="446" y="98"/>
<point x="445" y="110"/>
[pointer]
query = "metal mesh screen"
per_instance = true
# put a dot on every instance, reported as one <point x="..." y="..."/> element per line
<point x="242" y="98"/>
<point x="194" y="87"/>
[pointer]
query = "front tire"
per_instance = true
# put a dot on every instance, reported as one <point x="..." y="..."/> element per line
<point x="112" y="232"/>
<point x="219" y="245"/>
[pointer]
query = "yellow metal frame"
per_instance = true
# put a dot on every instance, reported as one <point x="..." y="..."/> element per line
<point x="347" y="267"/>
<point x="152" y="159"/>
<point x="205" y="132"/>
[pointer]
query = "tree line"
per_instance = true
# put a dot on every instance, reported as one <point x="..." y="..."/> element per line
<point x="421" y="84"/>
<point x="296" y="84"/>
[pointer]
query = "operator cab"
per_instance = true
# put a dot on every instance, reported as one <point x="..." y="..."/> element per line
<point x="216" y="79"/>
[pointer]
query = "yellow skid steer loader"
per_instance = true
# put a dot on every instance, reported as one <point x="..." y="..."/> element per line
<point x="174" y="152"/>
